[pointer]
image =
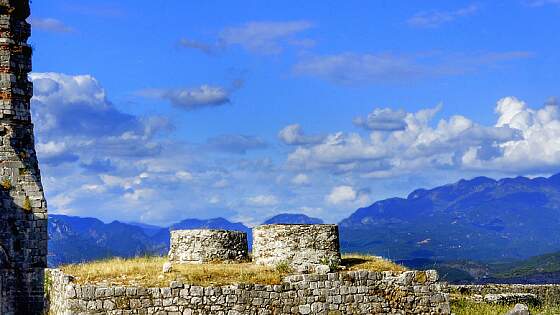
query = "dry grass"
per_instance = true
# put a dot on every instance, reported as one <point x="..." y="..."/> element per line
<point x="147" y="271"/>
<point x="373" y="263"/>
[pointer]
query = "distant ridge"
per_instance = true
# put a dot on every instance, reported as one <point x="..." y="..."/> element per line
<point x="76" y="239"/>
<point x="189" y="224"/>
<point x="292" y="218"/>
<point x="476" y="219"/>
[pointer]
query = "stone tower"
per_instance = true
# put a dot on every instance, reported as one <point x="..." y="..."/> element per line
<point x="23" y="210"/>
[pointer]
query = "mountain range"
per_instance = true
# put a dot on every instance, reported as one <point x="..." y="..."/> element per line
<point x="472" y="229"/>
<point x="478" y="219"/>
<point x="76" y="239"/>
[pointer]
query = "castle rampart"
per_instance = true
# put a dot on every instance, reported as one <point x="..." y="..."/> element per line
<point x="353" y="292"/>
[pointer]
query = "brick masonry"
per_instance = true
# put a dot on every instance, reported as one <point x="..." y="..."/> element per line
<point x="353" y="292"/>
<point x="23" y="217"/>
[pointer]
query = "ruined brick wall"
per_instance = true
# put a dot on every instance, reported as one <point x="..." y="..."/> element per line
<point x="23" y="213"/>
<point x="353" y="292"/>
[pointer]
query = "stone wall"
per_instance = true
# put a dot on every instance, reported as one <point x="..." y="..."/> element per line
<point x="302" y="246"/>
<point x="23" y="213"/>
<point x="354" y="292"/>
<point x="200" y="246"/>
<point x="546" y="293"/>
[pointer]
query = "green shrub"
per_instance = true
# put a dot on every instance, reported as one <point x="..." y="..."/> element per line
<point x="284" y="267"/>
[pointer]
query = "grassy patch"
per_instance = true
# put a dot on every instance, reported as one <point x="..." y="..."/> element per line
<point x="364" y="262"/>
<point x="465" y="307"/>
<point x="147" y="271"/>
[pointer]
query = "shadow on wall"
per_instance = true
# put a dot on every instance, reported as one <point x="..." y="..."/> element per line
<point x="23" y="235"/>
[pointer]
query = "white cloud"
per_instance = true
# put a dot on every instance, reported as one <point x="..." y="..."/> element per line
<point x="294" y="135"/>
<point x="383" y="119"/>
<point x="537" y="149"/>
<point x="184" y="175"/>
<point x="263" y="37"/>
<point x="50" y="25"/>
<point x="510" y="146"/>
<point x="437" y="18"/>
<point x="138" y="195"/>
<point x="341" y="194"/>
<point x="192" y="98"/>
<point x="417" y="146"/>
<point x="301" y="180"/>
<point x="262" y="201"/>
<point x="387" y="68"/>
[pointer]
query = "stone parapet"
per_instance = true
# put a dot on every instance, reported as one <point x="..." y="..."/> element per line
<point x="353" y="292"/>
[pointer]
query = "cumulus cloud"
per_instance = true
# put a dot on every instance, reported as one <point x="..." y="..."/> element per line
<point x="50" y="25"/>
<point x="537" y="149"/>
<point x="67" y="104"/>
<point x="510" y="145"/>
<point x="192" y="98"/>
<point x="353" y="68"/>
<point x="341" y="194"/>
<point x="437" y="18"/>
<point x="417" y="145"/>
<point x="266" y="37"/>
<point x="348" y="195"/>
<point x="294" y="135"/>
<point x="383" y="119"/>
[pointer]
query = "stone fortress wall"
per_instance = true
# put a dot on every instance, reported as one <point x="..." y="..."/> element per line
<point x="353" y="292"/>
<point x="203" y="246"/>
<point x="23" y="209"/>
<point x="305" y="247"/>
<point x="330" y="293"/>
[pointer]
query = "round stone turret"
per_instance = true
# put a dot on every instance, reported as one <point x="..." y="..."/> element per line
<point x="305" y="247"/>
<point x="203" y="246"/>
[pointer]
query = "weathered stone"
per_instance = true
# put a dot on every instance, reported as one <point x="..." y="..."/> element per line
<point x="200" y="246"/>
<point x="512" y="298"/>
<point x="302" y="246"/>
<point x="298" y="294"/>
<point x="519" y="309"/>
<point x="23" y="228"/>
<point x="167" y="267"/>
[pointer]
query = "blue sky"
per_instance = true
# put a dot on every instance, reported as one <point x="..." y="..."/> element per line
<point x="160" y="111"/>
